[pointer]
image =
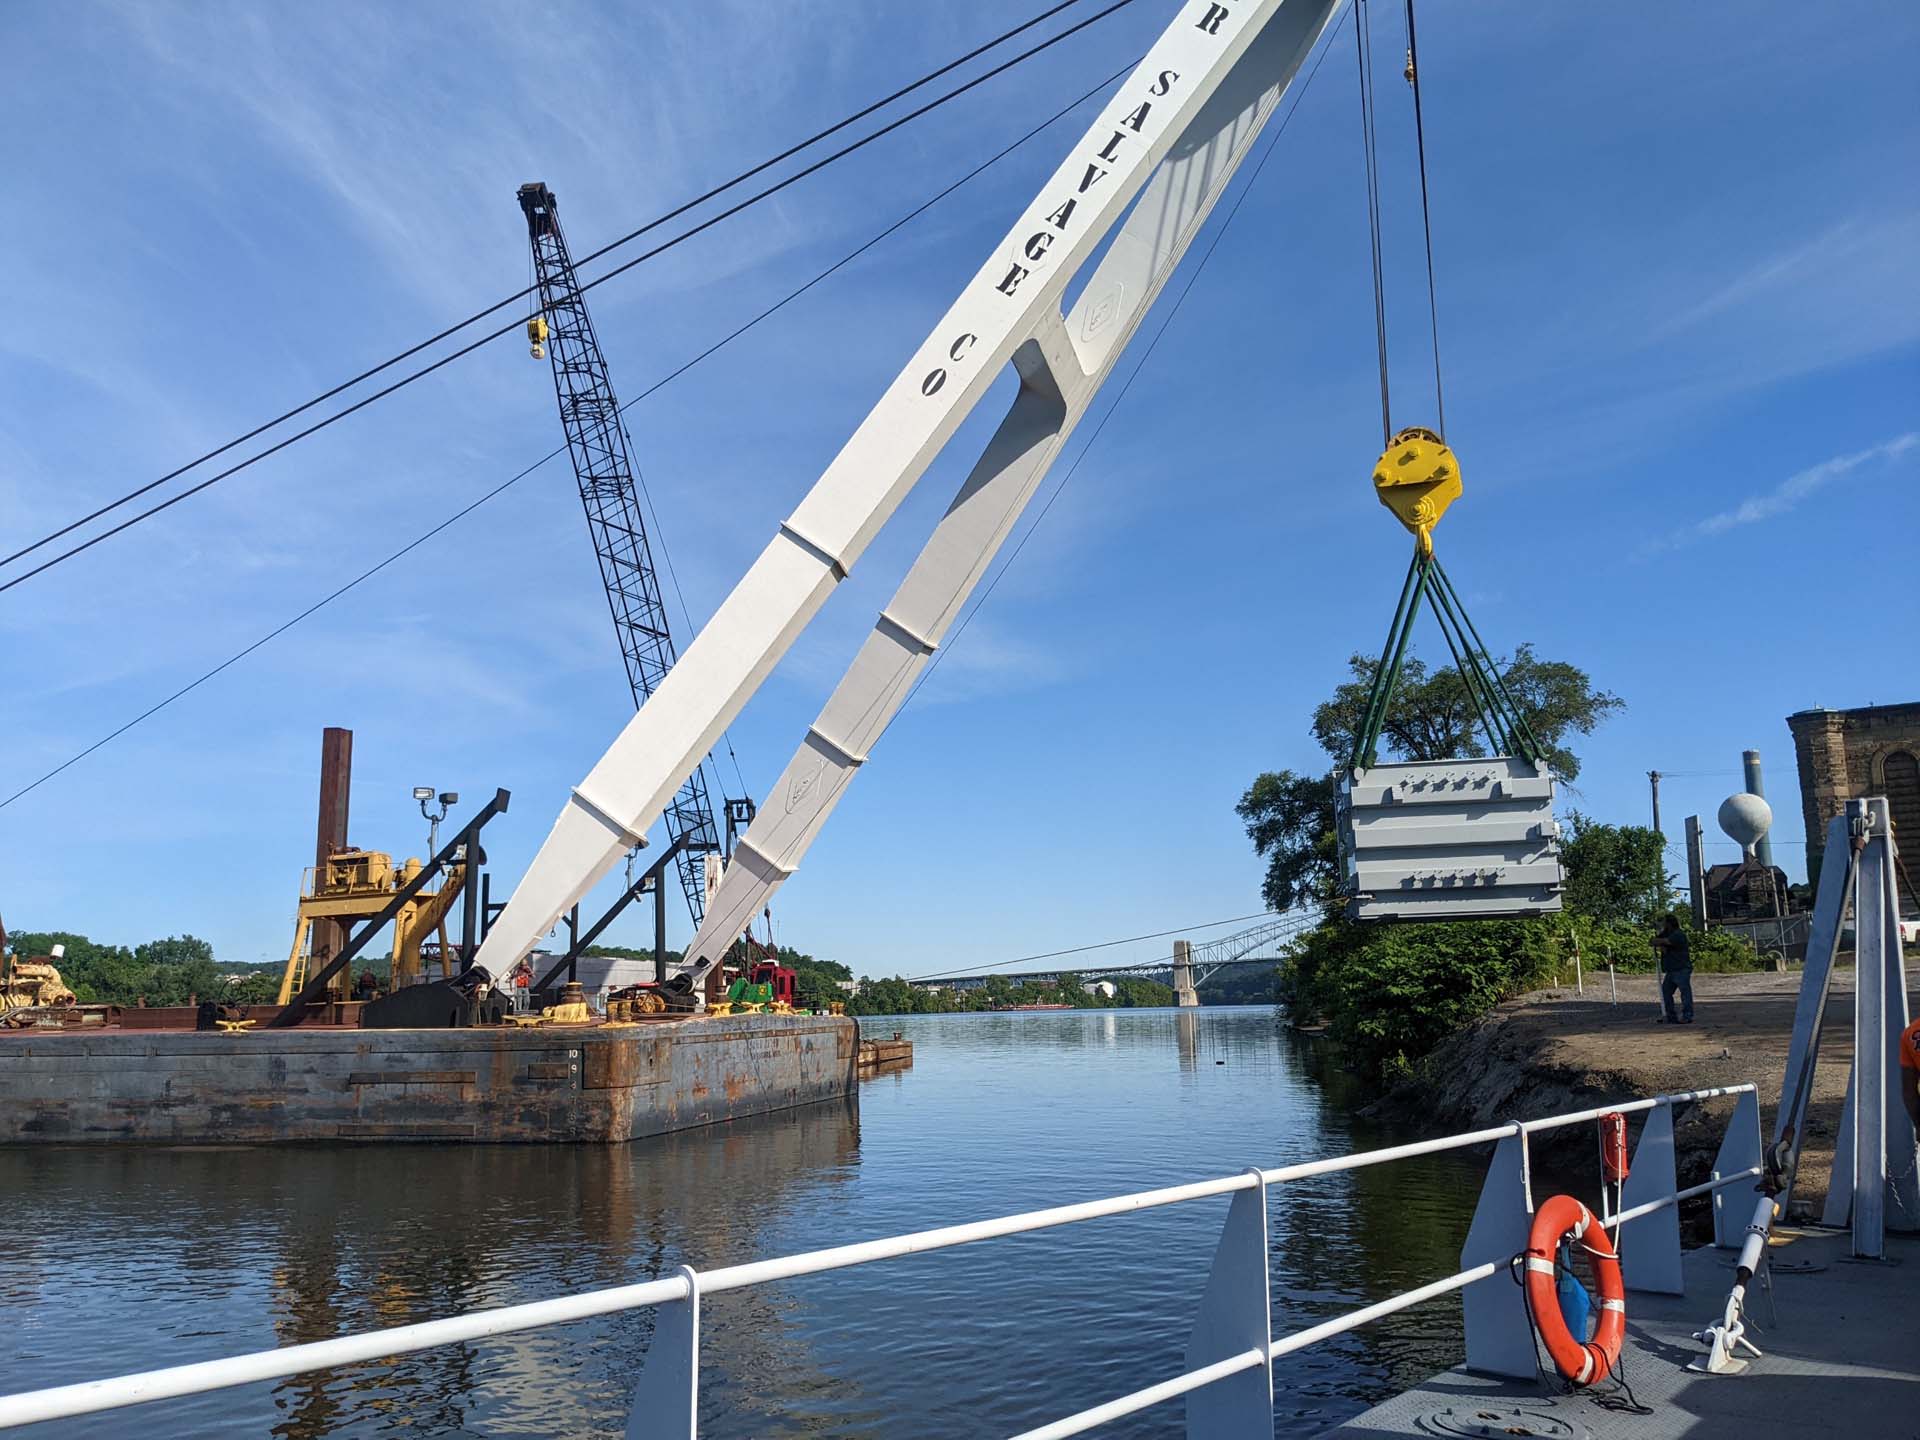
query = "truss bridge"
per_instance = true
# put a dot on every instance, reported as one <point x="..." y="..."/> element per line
<point x="1190" y="965"/>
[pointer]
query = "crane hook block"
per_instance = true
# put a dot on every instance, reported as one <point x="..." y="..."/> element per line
<point x="1417" y="478"/>
<point x="537" y="334"/>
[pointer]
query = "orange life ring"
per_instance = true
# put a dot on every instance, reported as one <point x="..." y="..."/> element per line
<point x="1583" y="1363"/>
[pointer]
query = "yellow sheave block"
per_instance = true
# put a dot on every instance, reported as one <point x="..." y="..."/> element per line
<point x="1417" y="478"/>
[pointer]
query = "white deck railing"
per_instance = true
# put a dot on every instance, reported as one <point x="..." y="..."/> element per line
<point x="1227" y="1370"/>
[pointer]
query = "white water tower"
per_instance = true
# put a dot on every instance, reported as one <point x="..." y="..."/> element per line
<point x="1745" y="818"/>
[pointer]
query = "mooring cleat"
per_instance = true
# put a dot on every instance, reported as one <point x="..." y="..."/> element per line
<point x="1722" y="1340"/>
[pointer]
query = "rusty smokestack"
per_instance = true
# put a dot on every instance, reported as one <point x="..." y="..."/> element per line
<point x="336" y="789"/>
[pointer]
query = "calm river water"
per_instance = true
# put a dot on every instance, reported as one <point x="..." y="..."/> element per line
<point x="126" y="1260"/>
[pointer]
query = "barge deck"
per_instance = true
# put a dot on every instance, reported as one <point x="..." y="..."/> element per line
<point x="1840" y="1361"/>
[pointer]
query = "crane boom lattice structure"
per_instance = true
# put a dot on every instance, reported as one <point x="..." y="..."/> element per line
<point x="597" y="443"/>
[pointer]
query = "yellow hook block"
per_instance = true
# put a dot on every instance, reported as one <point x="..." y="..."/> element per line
<point x="1417" y="479"/>
<point x="537" y="333"/>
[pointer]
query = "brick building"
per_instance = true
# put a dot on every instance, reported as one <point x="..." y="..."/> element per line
<point x="1847" y="754"/>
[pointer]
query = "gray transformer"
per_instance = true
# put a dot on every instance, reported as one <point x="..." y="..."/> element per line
<point x="1449" y="840"/>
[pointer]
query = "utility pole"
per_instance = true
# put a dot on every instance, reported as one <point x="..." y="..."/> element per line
<point x="1653" y="780"/>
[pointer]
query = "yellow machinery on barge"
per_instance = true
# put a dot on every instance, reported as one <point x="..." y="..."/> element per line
<point x="358" y="885"/>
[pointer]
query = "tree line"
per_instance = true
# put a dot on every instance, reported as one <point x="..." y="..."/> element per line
<point x="178" y="970"/>
<point x="895" y="996"/>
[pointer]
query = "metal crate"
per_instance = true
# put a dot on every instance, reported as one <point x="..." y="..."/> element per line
<point x="1449" y="840"/>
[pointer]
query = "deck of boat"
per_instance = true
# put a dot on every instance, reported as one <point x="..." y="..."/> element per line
<point x="1842" y="1359"/>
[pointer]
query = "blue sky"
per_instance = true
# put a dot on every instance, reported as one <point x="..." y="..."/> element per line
<point x="1679" y="313"/>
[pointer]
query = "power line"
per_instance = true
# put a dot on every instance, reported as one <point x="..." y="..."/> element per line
<point x="479" y="315"/>
<point x="559" y="450"/>
<point x="1083" y="949"/>
<point x="515" y="324"/>
<point x="282" y="628"/>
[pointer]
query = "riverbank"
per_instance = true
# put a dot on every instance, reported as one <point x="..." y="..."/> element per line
<point x="1556" y="1050"/>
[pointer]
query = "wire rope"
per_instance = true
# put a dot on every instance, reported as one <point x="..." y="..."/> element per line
<point x="1426" y="219"/>
<point x="561" y="449"/>
<point x="514" y="325"/>
<point x="1363" y="49"/>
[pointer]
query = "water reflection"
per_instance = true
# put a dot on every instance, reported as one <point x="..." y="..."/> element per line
<point x="170" y="1256"/>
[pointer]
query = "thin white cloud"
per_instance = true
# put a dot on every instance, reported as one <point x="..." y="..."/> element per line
<point x="1835" y="257"/>
<point x="1789" y="492"/>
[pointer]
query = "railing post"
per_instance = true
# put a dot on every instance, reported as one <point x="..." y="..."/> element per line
<point x="1650" y="1252"/>
<point x="1874" y="1160"/>
<point x="666" y="1402"/>
<point x="1234" y="1318"/>
<point x="1499" y="1337"/>
<point x="1739" y="1150"/>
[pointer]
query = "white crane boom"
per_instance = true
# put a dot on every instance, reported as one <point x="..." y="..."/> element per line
<point x="1009" y="311"/>
<point x="1062" y="367"/>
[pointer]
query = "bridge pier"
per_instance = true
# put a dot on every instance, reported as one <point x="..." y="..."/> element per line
<point x="1184" y="993"/>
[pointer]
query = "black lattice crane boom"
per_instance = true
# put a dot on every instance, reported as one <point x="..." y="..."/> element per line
<point x="597" y="442"/>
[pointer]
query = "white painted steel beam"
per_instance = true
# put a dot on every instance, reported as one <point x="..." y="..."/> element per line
<point x="1873" y="918"/>
<point x="1499" y="1334"/>
<point x="1190" y="99"/>
<point x="1650" y="1251"/>
<point x="1875" y="1145"/>
<point x="1739" y="1153"/>
<point x="1061" y="369"/>
<point x="1235" y="1316"/>
<point x="1816" y="980"/>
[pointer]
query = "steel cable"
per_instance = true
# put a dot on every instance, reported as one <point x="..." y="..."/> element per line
<point x="516" y="324"/>
<point x="1363" y="49"/>
<point x="559" y="450"/>
<point x="1426" y="218"/>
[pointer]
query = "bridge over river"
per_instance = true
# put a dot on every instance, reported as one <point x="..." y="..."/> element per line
<point x="1190" y="965"/>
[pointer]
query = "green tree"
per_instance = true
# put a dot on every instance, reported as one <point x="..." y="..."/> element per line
<point x="815" y="988"/>
<point x="1137" y="992"/>
<point x="1432" y="717"/>
<point x="1389" y="993"/>
<point x="162" y="972"/>
<point x="800" y="961"/>
<point x="1614" y="873"/>
<point x="255" y="987"/>
<point x="1290" y="819"/>
<point x="174" y="950"/>
<point x="883" y="997"/>
<point x="97" y="974"/>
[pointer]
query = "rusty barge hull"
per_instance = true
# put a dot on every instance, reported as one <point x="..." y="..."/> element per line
<point x="593" y="1084"/>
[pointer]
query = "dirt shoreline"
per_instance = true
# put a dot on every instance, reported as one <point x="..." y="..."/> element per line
<point x="1557" y="1050"/>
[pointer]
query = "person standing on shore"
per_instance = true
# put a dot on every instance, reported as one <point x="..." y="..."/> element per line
<point x="1676" y="972"/>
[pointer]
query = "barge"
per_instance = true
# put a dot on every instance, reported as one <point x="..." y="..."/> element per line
<point x="592" y="1083"/>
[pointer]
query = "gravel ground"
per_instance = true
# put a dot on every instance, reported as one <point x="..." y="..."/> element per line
<point x="1556" y="1050"/>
